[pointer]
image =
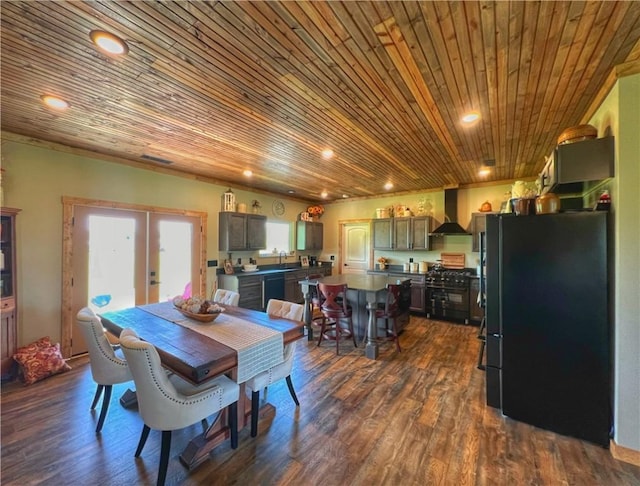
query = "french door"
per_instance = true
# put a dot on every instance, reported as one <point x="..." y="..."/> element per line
<point x="124" y="257"/>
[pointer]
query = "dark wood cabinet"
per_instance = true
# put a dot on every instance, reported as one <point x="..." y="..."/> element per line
<point x="8" y="298"/>
<point x="309" y="235"/>
<point x="476" y="313"/>
<point x="477" y="226"/>
<point x="402" y="233"/>
<point x="242" y="231"/>
<point x="418" y="302"/>
<point x="383" y="234"/>
<point x="249" y="287"/>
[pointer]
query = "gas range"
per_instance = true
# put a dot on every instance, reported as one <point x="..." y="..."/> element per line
<point x="448" y="278"/>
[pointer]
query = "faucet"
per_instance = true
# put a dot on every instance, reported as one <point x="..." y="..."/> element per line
<point x="280" y="255"/>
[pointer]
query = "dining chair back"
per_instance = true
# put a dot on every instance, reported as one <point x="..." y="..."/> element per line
<point x="228" y="297"/>
<point x="107" y="368"/>
<point x="335" y="308"/>
<point x="391" y="310"/>
<point x="288" y="310"/>
<point x="166" y="402"/>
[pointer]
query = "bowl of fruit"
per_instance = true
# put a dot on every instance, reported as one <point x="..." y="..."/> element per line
<point x="199" y="309"/>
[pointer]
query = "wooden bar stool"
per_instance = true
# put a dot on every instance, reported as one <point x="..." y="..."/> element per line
<point x="334" y="309"/>
<point x="390" y="310"/>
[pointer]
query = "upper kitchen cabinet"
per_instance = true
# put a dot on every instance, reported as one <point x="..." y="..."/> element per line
<point x="309" y="235"/>
<point x="242" y="231"/>
<point x="402" y="233"/>
<point x="573" y="165"/>
<point x="477" y="226"/>
<point x="411" y="233"/>
<point x="383" y="234"/>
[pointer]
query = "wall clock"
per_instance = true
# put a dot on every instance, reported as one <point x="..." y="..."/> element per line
<point x="278" y="207"/>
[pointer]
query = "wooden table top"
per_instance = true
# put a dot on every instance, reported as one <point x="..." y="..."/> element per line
<point x="188" y="353"/>
<point x="368" y="283"/>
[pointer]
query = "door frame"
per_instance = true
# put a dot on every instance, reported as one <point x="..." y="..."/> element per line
<point x="68" y="204"/>
<point x="341" y="224"/>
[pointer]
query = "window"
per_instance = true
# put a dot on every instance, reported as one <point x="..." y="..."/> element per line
<point x="278" y="238"/>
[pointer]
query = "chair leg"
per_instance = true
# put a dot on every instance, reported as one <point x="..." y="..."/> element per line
<point x="395" y="335"/>
<point x="105" y="405"/>
<point x="96" y="397"/>
<point x="233" y="423"/>
<point x="164" y="457"/>
<point x="292" y="391"/>
<point x="143" y="440"/>
<point x="353" y="334"/>
<point x="255" y="405"/>
<point x="323" y="327"/>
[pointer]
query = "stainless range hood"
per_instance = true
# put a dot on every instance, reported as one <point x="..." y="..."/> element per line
<point x="450" y="225"/>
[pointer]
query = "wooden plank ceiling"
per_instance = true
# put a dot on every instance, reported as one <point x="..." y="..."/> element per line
<point x="216" y="88"/>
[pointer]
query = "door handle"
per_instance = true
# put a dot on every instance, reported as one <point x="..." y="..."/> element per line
<point x="154" y="282"/>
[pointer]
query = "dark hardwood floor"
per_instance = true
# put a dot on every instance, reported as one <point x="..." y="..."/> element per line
<point x="412" y="418"/>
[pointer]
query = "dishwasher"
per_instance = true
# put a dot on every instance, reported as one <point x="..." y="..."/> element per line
<point x="272" y="288"/>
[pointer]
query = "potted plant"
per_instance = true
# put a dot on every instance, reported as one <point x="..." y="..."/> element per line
<point x="382" y="263"/>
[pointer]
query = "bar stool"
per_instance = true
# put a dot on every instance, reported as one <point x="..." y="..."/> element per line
<point x="334" y="308"/>
<point x="389" y="310"/>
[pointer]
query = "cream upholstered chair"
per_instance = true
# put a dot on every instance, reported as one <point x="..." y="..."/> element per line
<point x="167" y="402"/>
<point x="229" y="297"/>
<point x="107" y="368"/>
<point x="291" y="311"/>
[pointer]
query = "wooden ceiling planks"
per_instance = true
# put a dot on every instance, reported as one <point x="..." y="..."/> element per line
<point x="220" y="87"/>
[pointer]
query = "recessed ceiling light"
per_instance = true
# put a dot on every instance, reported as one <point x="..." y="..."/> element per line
<point x="247" y="173"/>
<point x="327" y="153"/>
<point x="291" y="191"/>
<point x="485" y="171"/>
<point x="54" y="102"/>
<point x="345" y="196"/>
<point x="324" y="194"/>
<point x="109" y="43"/>
<point x="388" y="186"/>
<point x="471" y="117"/>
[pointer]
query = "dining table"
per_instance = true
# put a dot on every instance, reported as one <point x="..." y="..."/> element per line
<point x="239" y="343"/>
<point x="364" y="291"/>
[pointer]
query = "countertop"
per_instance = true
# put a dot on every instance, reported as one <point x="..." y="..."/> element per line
<point x="269" y="270"/>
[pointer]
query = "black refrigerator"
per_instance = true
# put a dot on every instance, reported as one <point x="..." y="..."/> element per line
<point x="548" y="322"/>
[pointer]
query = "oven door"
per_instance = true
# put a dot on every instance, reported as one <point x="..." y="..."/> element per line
<point x="448" y="304"/>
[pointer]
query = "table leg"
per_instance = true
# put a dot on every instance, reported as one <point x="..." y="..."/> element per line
<point x="199" y="448"/>
<point x="371" y="349"/>
<point x="307" y="311"/>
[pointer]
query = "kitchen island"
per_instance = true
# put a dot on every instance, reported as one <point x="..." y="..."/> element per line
<point x="363" y="294"/>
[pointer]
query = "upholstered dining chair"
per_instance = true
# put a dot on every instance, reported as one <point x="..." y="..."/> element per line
<point x="107" y="368"/>
<point x="229" y="297"/>
<point x="291" y="311"/>
<point x="334" y="310"/>
<point x="166" y="402"/>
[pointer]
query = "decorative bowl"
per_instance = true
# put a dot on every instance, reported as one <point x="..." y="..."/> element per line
<point x="249" y="268"/>
<point x="210" y="317"/>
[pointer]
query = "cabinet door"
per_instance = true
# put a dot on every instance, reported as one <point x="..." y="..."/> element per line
<point x="420" y="228"/>
<point x="250" y="289"/>
<point x="317" y="236"/>
<point x="256" y="232"/>
<point x="417" y="298"/>
<point x="402" y="233"/>
<point x="478" y="225"/>
<point x="382" y="234"/>
<point x="232" y="231"/>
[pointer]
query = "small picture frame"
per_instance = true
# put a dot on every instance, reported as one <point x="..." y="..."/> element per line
<point x="228" y="267"/>
<point x="304" y="261"/>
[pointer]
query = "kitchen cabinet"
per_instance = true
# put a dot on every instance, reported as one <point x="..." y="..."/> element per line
<point x="411" y="233"/>
<point x="242" y="231"/>
<point x="249" y="287"/>
<point x="477" y="226"/>
<point x="8" y="298"/>
<point x="383" y="234"/>
<point x="572" y="166"/>
<point x="418" y="300"/>
<point x="292" y="289"/>
<point x="402" y="233"/>
<point x="309" y="235"/>
<point x="476" y="313"/>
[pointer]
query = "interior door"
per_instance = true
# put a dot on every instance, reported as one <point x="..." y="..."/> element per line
<point x="124" y="258"/>
<point x="355" y="245"/>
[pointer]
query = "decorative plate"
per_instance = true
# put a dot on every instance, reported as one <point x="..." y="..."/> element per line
<point x="199" y="317"/>
<point x="278" y="207"/>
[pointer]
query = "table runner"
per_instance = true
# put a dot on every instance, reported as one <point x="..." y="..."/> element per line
<point x="259" y="348"/>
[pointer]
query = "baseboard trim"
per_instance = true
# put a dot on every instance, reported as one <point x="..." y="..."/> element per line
<point x="624" y="454"/>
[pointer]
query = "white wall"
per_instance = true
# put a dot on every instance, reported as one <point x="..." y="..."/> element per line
<point x="620" y="114"/>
